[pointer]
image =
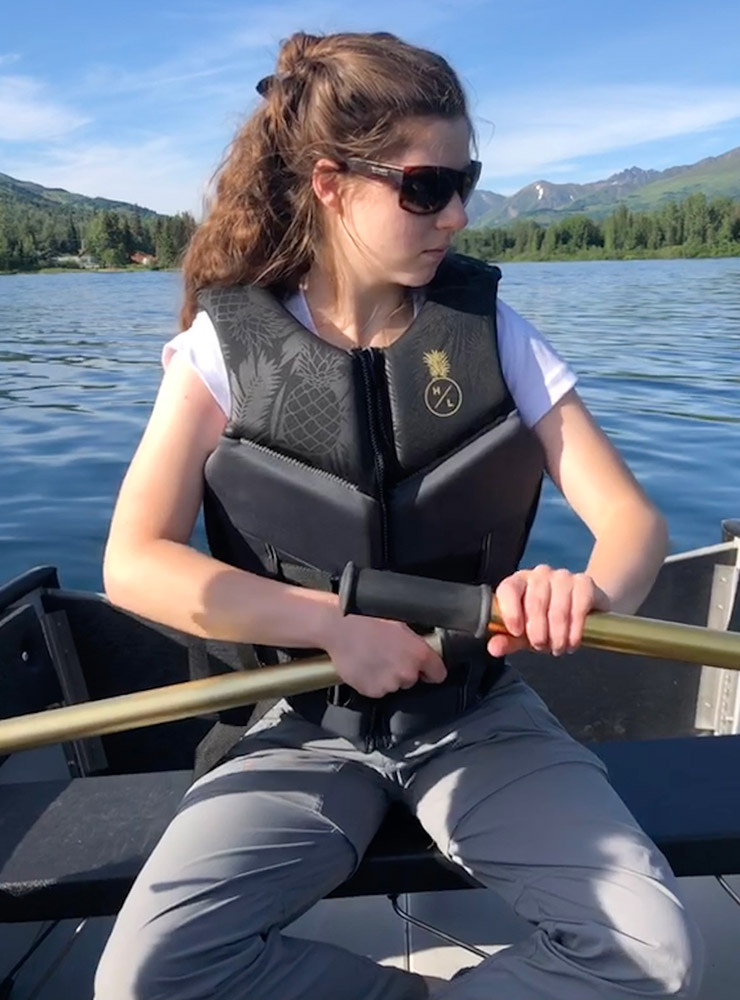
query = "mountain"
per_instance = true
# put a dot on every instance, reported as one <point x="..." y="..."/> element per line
<point x="483" y="203"/>
<point x="28" y="193"/>
<point x="640" y="190"/>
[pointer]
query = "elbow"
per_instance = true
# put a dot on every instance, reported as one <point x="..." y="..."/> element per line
<point x="113" y="583"/>
<point x="119" y="572"/>
<point x="658" y="527"/>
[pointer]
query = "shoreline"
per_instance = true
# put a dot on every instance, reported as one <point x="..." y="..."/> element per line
<point x="94" y="270"/>
<point x="632" y="255"/>
<point x="506" y="259"/>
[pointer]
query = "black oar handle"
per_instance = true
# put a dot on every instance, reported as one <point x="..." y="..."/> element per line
<point x="379" y="593"/>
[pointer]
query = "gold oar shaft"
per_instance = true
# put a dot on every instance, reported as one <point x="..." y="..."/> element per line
<point x="164" y="704"/>
<point x="620" y="633"/>
<point x="651" y="637"/>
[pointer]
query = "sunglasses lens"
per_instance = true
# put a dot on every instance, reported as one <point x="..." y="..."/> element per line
<point x="427" y="190"/>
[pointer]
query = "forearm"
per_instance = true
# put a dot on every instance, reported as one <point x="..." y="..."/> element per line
<point x="627" y="555"/>
<point x="176" y="585"/>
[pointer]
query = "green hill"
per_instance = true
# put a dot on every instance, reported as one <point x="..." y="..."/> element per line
<point x="715" y="176"/>
<point x="28" y="193"/>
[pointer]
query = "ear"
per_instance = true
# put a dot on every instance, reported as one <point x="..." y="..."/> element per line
<point x="326" y="182"/>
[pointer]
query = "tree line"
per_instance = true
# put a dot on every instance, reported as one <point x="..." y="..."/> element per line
<point x="32" y="238"/>
<point x="694" y="227"/>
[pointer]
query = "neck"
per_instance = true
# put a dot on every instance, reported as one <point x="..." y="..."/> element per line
<point x="355" y="313"/>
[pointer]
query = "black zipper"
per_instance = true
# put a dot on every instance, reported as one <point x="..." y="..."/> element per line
<point x="366" y="356"/>
<point x="367" y="359"/>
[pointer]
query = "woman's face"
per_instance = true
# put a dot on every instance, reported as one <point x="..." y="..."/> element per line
<point x="380" y="241"/>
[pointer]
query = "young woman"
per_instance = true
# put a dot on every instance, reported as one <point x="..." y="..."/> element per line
<point x="346" y="388"/>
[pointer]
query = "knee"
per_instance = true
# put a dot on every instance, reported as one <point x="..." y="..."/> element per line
<point x="669" y="957"/>
<point x="650" y="949"/>
<point x="172" y="967"/>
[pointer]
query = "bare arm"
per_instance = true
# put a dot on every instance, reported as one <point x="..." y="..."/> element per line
<point x="546" y="608"/>
<point x="151" y="570"/>
<point x="630" y="535"/>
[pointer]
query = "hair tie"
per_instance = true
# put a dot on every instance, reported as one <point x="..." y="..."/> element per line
<point x="265" y="85"/>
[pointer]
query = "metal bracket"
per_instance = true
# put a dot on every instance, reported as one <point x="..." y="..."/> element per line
<point x="58" y="959"/>
<point x="84" y="756"/>
<point x="416" y="922"/>
<point x="728" y="888"/>
<point x="718" y="701"/>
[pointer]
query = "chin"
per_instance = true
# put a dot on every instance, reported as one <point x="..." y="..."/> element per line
<point x="421" y="274"/>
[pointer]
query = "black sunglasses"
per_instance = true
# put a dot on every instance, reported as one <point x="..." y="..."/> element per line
<point x="421" y="190"/>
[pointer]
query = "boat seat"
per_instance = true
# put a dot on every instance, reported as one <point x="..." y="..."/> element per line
<point x="72" y="848"/>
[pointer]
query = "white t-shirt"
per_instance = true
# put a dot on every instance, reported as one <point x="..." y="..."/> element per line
<point x="535" y="373"/>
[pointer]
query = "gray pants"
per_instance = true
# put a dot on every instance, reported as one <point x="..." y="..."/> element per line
<point x="504" y="792"/>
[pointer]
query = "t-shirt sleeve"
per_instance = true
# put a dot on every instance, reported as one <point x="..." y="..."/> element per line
<point x="535" y="373"/>
<point x="199" y="346"/>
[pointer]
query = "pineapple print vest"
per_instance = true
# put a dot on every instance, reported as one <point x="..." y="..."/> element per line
<point x="410" y="457"/>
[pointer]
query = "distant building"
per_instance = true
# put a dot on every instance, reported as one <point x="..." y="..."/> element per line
<point x="145" y="259"/>
<point x="86" y="260"/>
<point x="66" y="260"/>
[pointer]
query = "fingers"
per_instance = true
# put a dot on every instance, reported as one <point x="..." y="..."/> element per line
<point x="536" y="604"/>
<point x="582" y="603"/>
<point x="377" y="657"/>
<point x="547" y="608"/>
<point x="509" y="595"/>
<point x="505" y="645"/>
<point x="433" y="670"/>
<point x="560" y="611"/>
<point x="426" y="666"/>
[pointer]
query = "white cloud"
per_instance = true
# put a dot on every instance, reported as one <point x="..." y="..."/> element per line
<point x="540" y="132"/>
<point x="154" y="174"/>
<point x="8" y="58"/>
<point x="27" y="114"/>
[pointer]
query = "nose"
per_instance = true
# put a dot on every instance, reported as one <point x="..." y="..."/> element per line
<point x="453" y="216"/>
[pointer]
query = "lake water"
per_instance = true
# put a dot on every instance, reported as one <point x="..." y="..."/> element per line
<point x="656" y="345"/>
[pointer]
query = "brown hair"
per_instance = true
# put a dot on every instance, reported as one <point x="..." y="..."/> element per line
<point x="332" y="96"/>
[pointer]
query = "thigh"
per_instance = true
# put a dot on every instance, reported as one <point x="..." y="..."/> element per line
<point x="517" y="790"/>
<point x="255" y="843"/>
<point x="530" y="812"/>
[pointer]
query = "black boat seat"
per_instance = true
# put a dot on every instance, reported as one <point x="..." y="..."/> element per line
<point x="72" y="848"/>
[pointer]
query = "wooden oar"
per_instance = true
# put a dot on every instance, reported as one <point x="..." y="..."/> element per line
<point x="621" y="633"/>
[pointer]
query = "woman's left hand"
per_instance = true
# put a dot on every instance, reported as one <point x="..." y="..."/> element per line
<point x="545" y="609"/>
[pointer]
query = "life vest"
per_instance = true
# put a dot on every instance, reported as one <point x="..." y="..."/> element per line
<point x="410" y="457"/>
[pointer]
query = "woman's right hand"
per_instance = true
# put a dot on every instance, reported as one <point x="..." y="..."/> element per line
<point x="376" y="656"/>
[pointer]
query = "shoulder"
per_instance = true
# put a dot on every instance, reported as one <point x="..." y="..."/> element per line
<point x="537" y="376"/>
<point x="199" y="346"/>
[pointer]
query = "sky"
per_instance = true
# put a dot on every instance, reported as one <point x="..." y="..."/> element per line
<point x="138" y="101"/>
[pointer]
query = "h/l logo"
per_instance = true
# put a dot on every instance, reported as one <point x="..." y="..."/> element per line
<point x="442" y="396"/>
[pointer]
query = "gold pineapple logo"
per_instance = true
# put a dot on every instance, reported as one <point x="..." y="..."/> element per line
<point x="442" y="396"/>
